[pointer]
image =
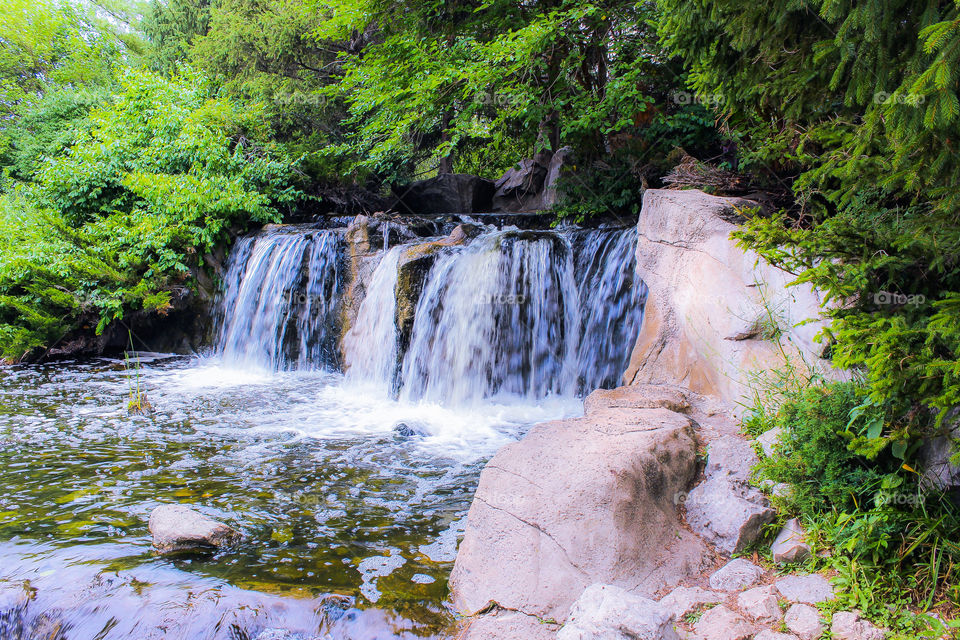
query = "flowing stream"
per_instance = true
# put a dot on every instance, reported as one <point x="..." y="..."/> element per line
<point x="346" y="452"/>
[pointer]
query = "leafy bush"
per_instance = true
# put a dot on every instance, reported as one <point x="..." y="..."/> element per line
<point x="152" y="180"/>
<point x="891" y="534"/>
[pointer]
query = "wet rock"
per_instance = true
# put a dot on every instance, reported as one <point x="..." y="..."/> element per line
<point x="577" y="502"/>
<point x="789" y="545"/>
<point x="176" y="527"/>
<point x="407" y="430"/>
<point x="735" y="575"/>
<point x="719" y="623"/>
<point x="768" y="441"/>
<point x="683" y="600"/>
<point x="804" y="621"/>
<point x="446" y="193"/>
<point x="848" y="625"/>
<point x="413" y="269"/>
<point x="811" y="589"/>
<point x="760" y="604"/>
<point x="605" y="611"/>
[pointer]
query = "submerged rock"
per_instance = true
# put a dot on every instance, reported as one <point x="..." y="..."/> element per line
<point x="176" y="527"/>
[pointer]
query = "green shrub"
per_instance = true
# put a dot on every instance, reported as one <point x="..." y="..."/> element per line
<point x="853" y="481"/>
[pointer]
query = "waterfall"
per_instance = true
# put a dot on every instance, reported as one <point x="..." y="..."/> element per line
<point x="612" y="300"/>
<point x="510" y="313"/>
<point x="370" y="346"/>
<point x="498" y="317"/>
<point x="281" y="303"/>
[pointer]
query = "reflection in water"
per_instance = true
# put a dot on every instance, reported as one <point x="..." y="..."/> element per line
<point x="331" y="499"/>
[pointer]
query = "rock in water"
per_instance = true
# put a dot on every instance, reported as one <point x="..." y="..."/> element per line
<point x="176" y="527"/>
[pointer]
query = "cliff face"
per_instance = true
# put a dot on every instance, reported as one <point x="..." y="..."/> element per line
<point x="713" y="310"/>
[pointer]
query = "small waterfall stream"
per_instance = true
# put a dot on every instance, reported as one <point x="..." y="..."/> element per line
<point x="511" y="313"/>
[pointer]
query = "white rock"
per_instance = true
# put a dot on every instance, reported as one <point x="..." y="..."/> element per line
<point x="811" y="589"/>
<point x="848" y="625"/>
<point x="768" y="634"/>
<point x="804" y="621"/>
<point x="176" y="527"/>
<point x="789" y="545"/>
<point x="735" y="575"/>
<point x="719" y="623"/>
<point x="768" y="440"/>
<point x="727" y="513"/>
<point x="683" y="600"/>
<point x="730" y="456"/>
<point x="760" y="604"/>
<point x="604" y="611"/>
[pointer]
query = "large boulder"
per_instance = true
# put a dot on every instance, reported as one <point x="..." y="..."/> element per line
<point x="577" y="502"/>
<point x="605" y="611"/>
<point x="713" y="307"/>
<point x="446" y="193"/>
<point x="533" y="184"/>
<point x="176" y="527"/>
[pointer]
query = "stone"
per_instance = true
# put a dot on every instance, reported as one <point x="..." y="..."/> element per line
<point x="521" y="187"/>
<point x="719" y="623"/>
<point x="768" y="441"/>
<point x="730" y="456"/>
<point x="605" y="611"/>
<point x="848" y="625"/>
<point x="644" y="396"/>
<point x="509" y="625"/>
<point x="728" y="514"/>
<point x="176" y="527"/>
<point x="559" y="162"/>
<point x="735" y="575"/>
<point x="789" y="545"/>
<point x="768" y="634"/>
<point x="577" y="502"/>
<point x="683" y="600"/>
<point x="811" y="589"/>
<point x="804" y="621"/>
<point x="703" y="288"/>
<point x="446" y="193"/>
<point x="760" y="604"/>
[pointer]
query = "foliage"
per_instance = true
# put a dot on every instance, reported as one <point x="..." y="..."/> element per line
<point x="151" y="182"/>
<point x="862" y="497"/>
<point x="855" y="104"/>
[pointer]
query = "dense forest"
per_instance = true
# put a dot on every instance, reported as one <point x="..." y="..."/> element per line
<point x="136" y="139"/>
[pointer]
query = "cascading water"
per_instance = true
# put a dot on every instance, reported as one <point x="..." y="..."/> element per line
<point x="281" y="304"/>
<point x="525" y="314"/>
<point x="498" y="317"/>
<point x="371" y="344"/>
